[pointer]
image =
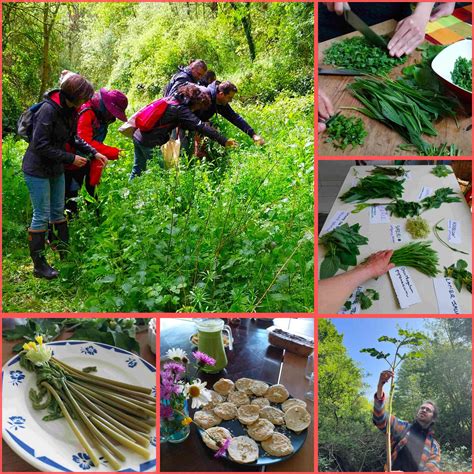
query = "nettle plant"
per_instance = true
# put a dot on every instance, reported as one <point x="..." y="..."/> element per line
<point x="410" y="339"/>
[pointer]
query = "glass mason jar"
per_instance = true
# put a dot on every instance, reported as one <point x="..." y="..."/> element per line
<point x="173" y="431"/>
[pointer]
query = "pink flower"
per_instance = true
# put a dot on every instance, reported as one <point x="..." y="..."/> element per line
<point x="203" y="359"/>
<point x="166" y="412"/>
<point x="174" y="368"/>
<point x="223" y="445"/>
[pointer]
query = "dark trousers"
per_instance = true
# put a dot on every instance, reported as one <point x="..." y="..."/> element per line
<point x="74" y="181"/>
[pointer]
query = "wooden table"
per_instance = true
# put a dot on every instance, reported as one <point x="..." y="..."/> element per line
<point x="382" y="140"/>
<point x="11" y="462"/>
<point x="379" y="239"/>
<point x="252" y="357"/>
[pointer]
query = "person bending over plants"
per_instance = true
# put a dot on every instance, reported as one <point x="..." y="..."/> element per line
<point x="95" y="116"/>
<point x="53" y="136"/>
<point x="413" y="446"/>
<point x="180" y="112"/>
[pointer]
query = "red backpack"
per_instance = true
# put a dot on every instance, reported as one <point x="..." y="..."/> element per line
<point x="147" y="117"/>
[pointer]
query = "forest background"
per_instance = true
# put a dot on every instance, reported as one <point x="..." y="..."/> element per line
<point x="348" y="439"/>
<point x="233" y="233"/>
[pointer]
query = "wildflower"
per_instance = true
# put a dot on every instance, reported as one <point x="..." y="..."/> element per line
<point x="39" y="354"/>
<point x="187" y="421"/>
<point x="166" y="412"/>
<point x="203" y="359"/>
<point x="198" y="393"/>
<point x="223" y="446"/>
<point x="174" y="368"/>
<point x="177" y="354"/>
<point x="169" y="387"/>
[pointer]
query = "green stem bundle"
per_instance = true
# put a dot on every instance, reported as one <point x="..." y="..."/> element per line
<point x="418" y="255"/>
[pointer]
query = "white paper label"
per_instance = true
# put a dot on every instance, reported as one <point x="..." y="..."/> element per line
<point x="354" y="182"/>
<point x="404" y="287"/>
<point x="355" y="306"/>
<point x="408" y="175"/>
<point x="446" y="296"/>
<point x="454" y="232"/>
<point x="337" y="220"/>
<point x="397" y="234"/>
<point x="425" y="192"/>
<point x="379" y="215"/>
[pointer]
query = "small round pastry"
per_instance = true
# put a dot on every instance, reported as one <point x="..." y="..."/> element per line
<point x="277" y="393"/>
<point x="206" y="419"/>
<point x="261" y="402"/>
<point x="226" y="410"/>
<point x="260" y="430"/>
<point x="223" y="386"/>
<point x="258" y="388"/>
<point x="277" y="445"/>
<point x="243" y="385"/>
<point x="215" y="400"/>
<point x="218" y="433"/>
<point x="238" y="398"/>
<point x="297" y="419"/>
<point x="285" y="406"/>
<point x="243" y="450"/>
<point x="272" y="414"/>
<point x="248" y="414"/>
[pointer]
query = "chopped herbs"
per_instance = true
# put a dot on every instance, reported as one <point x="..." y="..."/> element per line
<point x="401" y="208"/>
<point x="364" y="298"/>
<point x="460" y="275"/>
<point x="418" y="227"/>
<point x="407" y="109"/>
<point x="358" y="53"/>
<point x="397" y="171"/>
<point x="342" y="247"/>
<point x="462" y="73"/>
<point x="417" y="255"/>
<point x="344" y="131"/>
<point x="440" y="196"/>
<point x="441" y="171"/>
<point x="436" y="229"/>
<point x="374" y="187"/>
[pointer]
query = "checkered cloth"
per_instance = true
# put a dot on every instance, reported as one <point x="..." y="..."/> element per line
<point x="452" y="28"/>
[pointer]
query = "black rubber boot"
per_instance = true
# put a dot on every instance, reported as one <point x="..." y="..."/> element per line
<point x="36" y="242"/>
<point x="60" y="238"/>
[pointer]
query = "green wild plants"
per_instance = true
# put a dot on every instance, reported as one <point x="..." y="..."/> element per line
<point x="417" y="255"/>
<point x="397" y="171"/>
<point x="406" y="339"/>
<point x="401" y="208"/>
<point x="345" y="131"/>
<point x="441" y="171"/>
<point x="364" y="298"/>
<point x="440" y="196"/>
<point x="462" y="73"/>
<point x="374" y="187"/>
<point x="342" y="247"/>
<point x="460" y="275"/>
<point x="436" y="229"/>
<point x="418" y="227"/>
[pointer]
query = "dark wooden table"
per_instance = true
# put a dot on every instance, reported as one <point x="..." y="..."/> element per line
<point x="251" y="357"/>
<point x="11" y="462"/>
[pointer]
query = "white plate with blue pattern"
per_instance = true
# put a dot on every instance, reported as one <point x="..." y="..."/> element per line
<point x="51" y="446"/>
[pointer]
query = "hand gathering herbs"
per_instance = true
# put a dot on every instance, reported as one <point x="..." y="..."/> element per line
<point x="374" y="187"/>
<point x="344" y="131"/>
<point x="418" y="255"/>
<point x="418" y="227"/>
<point x="364" y="298"/>
<point x="436" y="229"/>
<point x="462" y="73"/>
<point x="441" y="171"/>
<point x="397" y="171"/>
<point x="358" y="53"/>
<point x="342" y="247"/>
<point x="110" y="413"/>
<point x="460" y="275"/>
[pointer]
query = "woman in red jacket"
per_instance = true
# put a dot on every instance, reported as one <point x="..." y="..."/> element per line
<point x="95" y="116"/>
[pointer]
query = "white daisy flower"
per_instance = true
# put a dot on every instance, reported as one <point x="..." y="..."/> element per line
<point x="198" y="393"/>
<point x="177" y="354"/>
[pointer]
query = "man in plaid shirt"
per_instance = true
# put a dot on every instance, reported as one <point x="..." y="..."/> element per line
<point x="413" y="446"/>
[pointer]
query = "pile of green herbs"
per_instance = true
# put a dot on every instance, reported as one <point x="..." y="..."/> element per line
<point x="374" y="187"/>
<point x="364" y="298"/>
<point x="418" y="227"/>
<point x="460" y="275"/>
<point x="462" y="73"/>
<point x="397" y="171"/>
<point x="345" y="131"/>
<point x="118" y="332"/>
<point x="102" y="413"/>
<point x="359" y="54"/>
<point x="342" y="247"/>
<point x="441" y="171"/>
<point x="417" y="255"/>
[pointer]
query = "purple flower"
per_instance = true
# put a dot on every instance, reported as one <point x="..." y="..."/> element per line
<point x="203" y="359"/>
<point x="223" y="445"/>
<point x="168" y="387"/>
<point x="174" y="368"/>
<point x="166" y="412"/>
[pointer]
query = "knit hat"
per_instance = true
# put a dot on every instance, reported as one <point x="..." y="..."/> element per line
<point x="115" y="102"/>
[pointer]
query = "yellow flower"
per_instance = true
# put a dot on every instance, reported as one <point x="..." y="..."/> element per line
<point x="187" y="421"/>
<point x="39" y="339"/>
<point x="29" y="345"/>
<point x="39" y="354"/>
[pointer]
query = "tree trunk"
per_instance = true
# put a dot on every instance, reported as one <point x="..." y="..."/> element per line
<point x="247" y="25"/>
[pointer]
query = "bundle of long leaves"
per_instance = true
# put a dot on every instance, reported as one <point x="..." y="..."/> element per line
<point x="398" y="171"/>
<point x="374" y="187"/>
<point x="417" y="255"/>
<point x="342" y="247"/>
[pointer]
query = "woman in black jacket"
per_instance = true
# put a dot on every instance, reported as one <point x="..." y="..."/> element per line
<point x="52" y="145"/>
<point x="190" y="98"/>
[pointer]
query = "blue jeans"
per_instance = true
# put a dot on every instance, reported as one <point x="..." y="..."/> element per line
<point x="47" y="199"/>
<point x="142" y="154"/>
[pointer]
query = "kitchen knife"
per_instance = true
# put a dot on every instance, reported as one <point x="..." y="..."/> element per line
<point x="368" y="33"/>
<point x="339" y="72"/>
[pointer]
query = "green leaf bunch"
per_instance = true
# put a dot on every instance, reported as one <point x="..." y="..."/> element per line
<point x="441" y="196"/>
<point x="401" y="208"/>
<point x="345" y="131"/>
<point x="364" y="298"/>
<point x="374" y="187"/>
<point x="462" y="73"/>
<point x="417" y="255"/>
<point x="441" y="171"/>
<point x="342" y="247"/>
<point x="397" y="171"/>
<point x="460" y="274"/>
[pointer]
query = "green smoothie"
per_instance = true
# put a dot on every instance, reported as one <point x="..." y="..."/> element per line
<point x="211" y="344"/>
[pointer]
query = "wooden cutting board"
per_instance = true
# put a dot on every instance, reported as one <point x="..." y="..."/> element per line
<point x="381" y="140"/>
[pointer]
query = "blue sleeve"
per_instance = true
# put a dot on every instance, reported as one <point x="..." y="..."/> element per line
<point x="234" y="118"/>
